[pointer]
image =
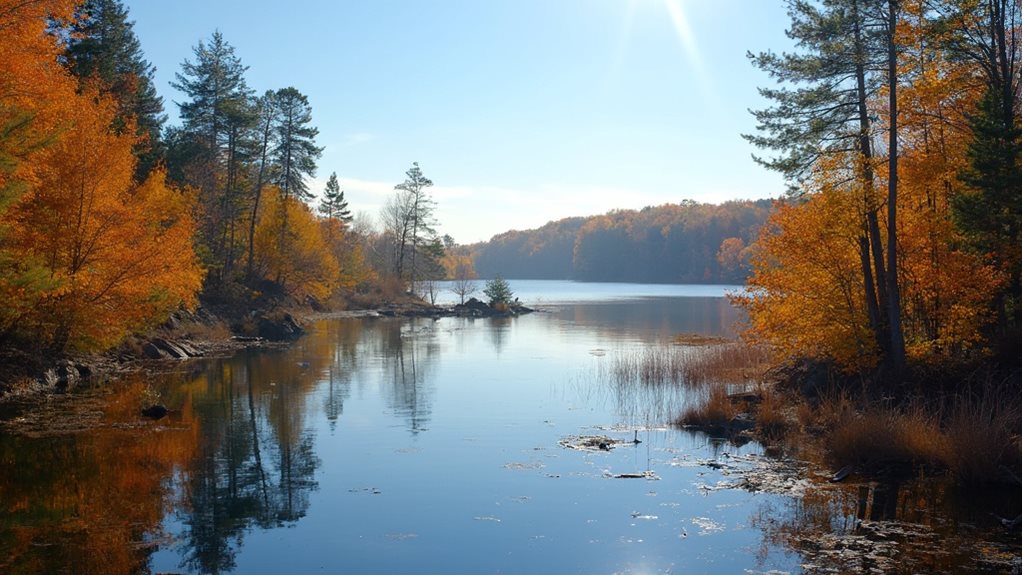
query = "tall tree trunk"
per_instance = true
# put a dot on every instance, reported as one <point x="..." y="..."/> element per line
<point x="896" y="353"/>
<point x="876" y="293"/>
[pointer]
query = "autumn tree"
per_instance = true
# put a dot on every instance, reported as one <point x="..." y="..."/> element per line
<point x="116" y="253"/>
<point x="832" y="81"/>
<point x="102" y="47"/>
<point x="305" y="268"/>
<point x="804" y="298"/>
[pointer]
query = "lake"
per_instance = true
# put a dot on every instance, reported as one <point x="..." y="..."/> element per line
<point x="378" y="445"/>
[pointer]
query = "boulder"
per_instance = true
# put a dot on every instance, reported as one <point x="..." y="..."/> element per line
<point x="281" y="328"/>
<point x="151" y="351"/>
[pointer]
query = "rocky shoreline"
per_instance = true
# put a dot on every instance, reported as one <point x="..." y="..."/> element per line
<point x="202" y="333"/>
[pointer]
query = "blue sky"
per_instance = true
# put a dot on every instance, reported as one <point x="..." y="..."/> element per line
<point x="520" y="111"/>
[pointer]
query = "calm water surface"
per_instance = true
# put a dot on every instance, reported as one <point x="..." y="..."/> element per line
<point x="398" y="446"/>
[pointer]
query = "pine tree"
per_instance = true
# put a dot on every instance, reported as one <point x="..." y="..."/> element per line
<point x="214" y="140"/>
<point x="295" y="152"/>
<point x="419" y="217"/>
<point x="333" y="205"/>
<point x="835" y="76"/>
<point x="498" y="291"/>
<point x="102" y="45"/>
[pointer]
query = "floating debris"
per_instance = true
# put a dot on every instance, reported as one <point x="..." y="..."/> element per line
<point x="590" y="442"/>
<point x="648" y="475"/>
<point x="644" y="516"/>
<point x="530" y="465"/>
<point x="706" y="525"/>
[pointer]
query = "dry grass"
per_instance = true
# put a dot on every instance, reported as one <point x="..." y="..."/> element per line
<point x="883" y="437"/>
<point x="980" y="431"/>
<point x="198" y="331"/>
<point x="716" y="410"/>
<point x="732" y="363"/>
<point x="772" y="419"/>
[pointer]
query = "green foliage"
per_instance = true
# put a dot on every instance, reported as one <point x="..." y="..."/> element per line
<point x="991" y="213"/>
<point x="498" y="291"/>
<point x="333" y="205"/>
<point x="818" y="112"/>
<point x="296" y="151"/>
<point x="102" y="45"/>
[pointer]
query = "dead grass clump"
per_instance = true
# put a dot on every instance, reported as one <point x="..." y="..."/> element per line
<point x="982" y="445"/>
<point x="728" y="363"/>
<point x="732" y="363"/>
<point x="715" y="411"/>
<point x="772" y="415"/>
<point x="883" y="437"/>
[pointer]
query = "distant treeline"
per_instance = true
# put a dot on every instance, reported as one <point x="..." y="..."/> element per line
<point x="673" y="243"/>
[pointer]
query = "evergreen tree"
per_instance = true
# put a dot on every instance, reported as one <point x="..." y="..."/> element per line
<point x="990" y="213"/>
<point x="295" y="152"/>
<point x="102" y="45"/>
<point x="333" y="205"/>
<point x="843" y="49"/>
<point x="498" y="291"/>
<point x="214" y="135"/>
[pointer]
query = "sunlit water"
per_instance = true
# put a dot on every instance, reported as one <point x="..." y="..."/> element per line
<point x="399" y="446"/>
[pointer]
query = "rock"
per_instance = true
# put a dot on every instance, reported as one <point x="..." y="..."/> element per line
<point x="283" y="328"/>
<point x="172" y="349"/>
<point x="156" y="411"/>
<point x="150" y="351"/>
<point x="63" y="377"/>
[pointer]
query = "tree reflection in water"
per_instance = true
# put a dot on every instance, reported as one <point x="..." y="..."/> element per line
<point x="256" y="462"/>
<point x="918" y="526"/>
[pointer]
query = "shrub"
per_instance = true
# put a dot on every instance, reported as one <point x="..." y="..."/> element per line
<point x="498" y="291"/>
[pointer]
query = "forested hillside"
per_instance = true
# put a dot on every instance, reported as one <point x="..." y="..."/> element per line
<point x="673" y="243"/>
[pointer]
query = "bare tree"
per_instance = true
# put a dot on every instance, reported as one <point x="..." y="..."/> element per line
<point x="464" y="280"/>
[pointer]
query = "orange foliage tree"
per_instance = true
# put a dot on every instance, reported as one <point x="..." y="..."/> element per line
<point x="98" y="255"/>
<point x="806" y="297"/>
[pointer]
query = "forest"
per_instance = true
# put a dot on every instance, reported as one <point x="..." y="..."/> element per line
<point x="111" y="219"/>
<point x="686" y="242"/>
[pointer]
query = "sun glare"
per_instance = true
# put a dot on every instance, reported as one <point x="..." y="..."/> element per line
<point x="676" y="14"/>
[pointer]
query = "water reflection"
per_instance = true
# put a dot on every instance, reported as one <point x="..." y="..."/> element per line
<point x="917" y="526"/>
<point x="339" y="446"/>
<point x="87" y="503"/>
<point x="255" y="463"/>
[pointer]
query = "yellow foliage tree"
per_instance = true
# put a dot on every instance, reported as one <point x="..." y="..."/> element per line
<point x="347" y="251"/>
<point x="291" y="251"/>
